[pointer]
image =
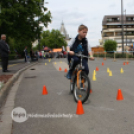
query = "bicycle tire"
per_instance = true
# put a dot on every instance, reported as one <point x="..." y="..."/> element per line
<point x="72" y="84"/>
<point x="83" y="74"/>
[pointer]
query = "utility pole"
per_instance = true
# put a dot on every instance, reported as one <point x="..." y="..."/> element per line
<point x="122" y="22"/>
<point x="126" y="27"/>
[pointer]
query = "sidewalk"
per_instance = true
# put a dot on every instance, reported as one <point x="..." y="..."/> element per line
<point x="15" y="61"/>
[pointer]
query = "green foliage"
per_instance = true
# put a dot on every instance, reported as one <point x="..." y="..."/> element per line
<point x="53" y="39"/>
<point x="110" y="45"/>
<point x="20" y="19"/>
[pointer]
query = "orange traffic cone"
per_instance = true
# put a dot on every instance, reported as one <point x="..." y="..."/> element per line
<point x="60" y="69"/>
<point x="97" y="69"/>
<point x="102" y="63"/>
<point x="127" y="63"/>
<point x="124" y="63"/>
<point x="119" y="95"/>
<point x="79" y="108"/>
<point x="104" y="58"/>
<point x="44" y="92"/>
<point x="91" y="91"/>
<point x="65" y="70"/>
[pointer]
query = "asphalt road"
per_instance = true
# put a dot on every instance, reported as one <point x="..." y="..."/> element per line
<point x="103" y="113"/>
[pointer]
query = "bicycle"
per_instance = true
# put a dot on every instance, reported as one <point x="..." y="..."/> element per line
<point x="80" y="83"/>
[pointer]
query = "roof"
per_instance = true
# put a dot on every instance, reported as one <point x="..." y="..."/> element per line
<point x="57" y="50"/>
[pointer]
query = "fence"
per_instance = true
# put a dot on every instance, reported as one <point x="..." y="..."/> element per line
<point x="115" y="54"/>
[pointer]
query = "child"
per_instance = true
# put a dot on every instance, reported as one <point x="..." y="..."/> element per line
<point x="79" y="44"/>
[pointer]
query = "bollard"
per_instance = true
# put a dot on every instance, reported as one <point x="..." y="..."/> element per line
<point x="114" y="57"/>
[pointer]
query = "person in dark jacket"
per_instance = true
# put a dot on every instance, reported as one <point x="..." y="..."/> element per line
<point x="4" y="52"/>
<point x="26" y="54"/>
<point x="76" y="45"/>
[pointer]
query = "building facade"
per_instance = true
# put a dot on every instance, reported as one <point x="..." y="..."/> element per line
<point x="112" y="29"/>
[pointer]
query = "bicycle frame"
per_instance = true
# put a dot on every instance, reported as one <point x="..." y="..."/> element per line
<point x="78" y="69"/>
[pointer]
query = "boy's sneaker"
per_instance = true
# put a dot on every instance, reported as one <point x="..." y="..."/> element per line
<point x="68" y="75"/>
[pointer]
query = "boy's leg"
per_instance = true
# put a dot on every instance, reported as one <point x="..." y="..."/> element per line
<point x="74" y="61"/>
<point x="85" y="64"/>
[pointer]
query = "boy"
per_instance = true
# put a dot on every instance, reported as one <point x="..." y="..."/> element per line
<point x="79" y="44"/>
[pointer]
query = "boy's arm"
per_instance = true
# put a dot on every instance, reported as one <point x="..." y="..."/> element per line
<point x="90" y="52"/>
<point x="69" y="46"/>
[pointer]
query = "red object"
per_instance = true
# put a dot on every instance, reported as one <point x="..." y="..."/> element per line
<point x="40" y="53"/>
<point x="47" y="49"/>
<point x="79" y="108"/>
<point x="60" y="69"/>
<point x="65" y="70"/>
<point x="119" y="95"/>
<point x="97" y="69"/>
<point x="44" y="92"/>
<point x="102" y="63"/>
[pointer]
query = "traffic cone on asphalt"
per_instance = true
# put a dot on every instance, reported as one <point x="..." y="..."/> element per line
<point x="94" y="72"/>
<point x="97" y="69"/>
<point x="108" y="70"/>
<point x="124" y="63"/>
<point x="44" y="92"/>
<point x="110" y="73"/>
<point x="79" y="108"/>
<point x="127" y="63"/>
<point x="60" y="69"/>
<point x="65" y="70"/>
<point x="45" y="63"/>
<point x="122" y="71"/>
<point x="91" y="91"/>
<point x="104" y="58"/>
<point x="119" y="95"/>
<point x="102" y="63"/>
<point x="94" y="78"/>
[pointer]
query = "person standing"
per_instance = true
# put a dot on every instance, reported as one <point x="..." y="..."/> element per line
<point x="4" y="51"/>
<point x="31" y="54"/>
<point x="25" y="51"/>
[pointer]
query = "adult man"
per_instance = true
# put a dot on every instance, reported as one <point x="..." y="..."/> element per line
<point x="26" y="54"/>
<point x="4" y="51"/>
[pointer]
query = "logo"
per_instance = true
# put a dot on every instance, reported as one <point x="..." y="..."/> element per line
<point x="19" y="114"/>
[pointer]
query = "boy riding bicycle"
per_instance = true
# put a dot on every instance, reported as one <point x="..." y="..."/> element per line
<point x="76" y="45"/>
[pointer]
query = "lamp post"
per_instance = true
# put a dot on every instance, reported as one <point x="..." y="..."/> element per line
<point x="122" y="22"/>
<point x="41" y="5"/>
<point x="126" y="26"/>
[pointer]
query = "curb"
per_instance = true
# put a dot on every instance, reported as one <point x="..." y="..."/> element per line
<point x="7" y="86"/>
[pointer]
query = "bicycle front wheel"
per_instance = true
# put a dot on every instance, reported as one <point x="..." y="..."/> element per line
<point x="81" y="88"/>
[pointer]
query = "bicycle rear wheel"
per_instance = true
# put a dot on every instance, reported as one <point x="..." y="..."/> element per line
<point x="82" y="92"/>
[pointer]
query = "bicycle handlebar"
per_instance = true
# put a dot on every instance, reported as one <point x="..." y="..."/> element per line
<point x="82" y="56"/>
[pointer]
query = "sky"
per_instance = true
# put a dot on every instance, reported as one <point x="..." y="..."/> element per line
<point x="88" y="12"/>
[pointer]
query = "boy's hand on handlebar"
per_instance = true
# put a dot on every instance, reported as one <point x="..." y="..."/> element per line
<point x="91" y="58"/>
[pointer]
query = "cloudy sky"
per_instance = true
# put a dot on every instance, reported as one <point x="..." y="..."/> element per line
<point x="88" y="12"/>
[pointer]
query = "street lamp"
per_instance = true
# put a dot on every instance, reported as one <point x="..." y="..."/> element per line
<point x="122" y="22"/>
<point x="41" y="4"/>
<point x="126" y="26"/>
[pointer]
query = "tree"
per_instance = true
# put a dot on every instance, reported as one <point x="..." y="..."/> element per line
<point x="110" y="45"/>
<point x="18" y="20"/>
<point x="53" y="39"/>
